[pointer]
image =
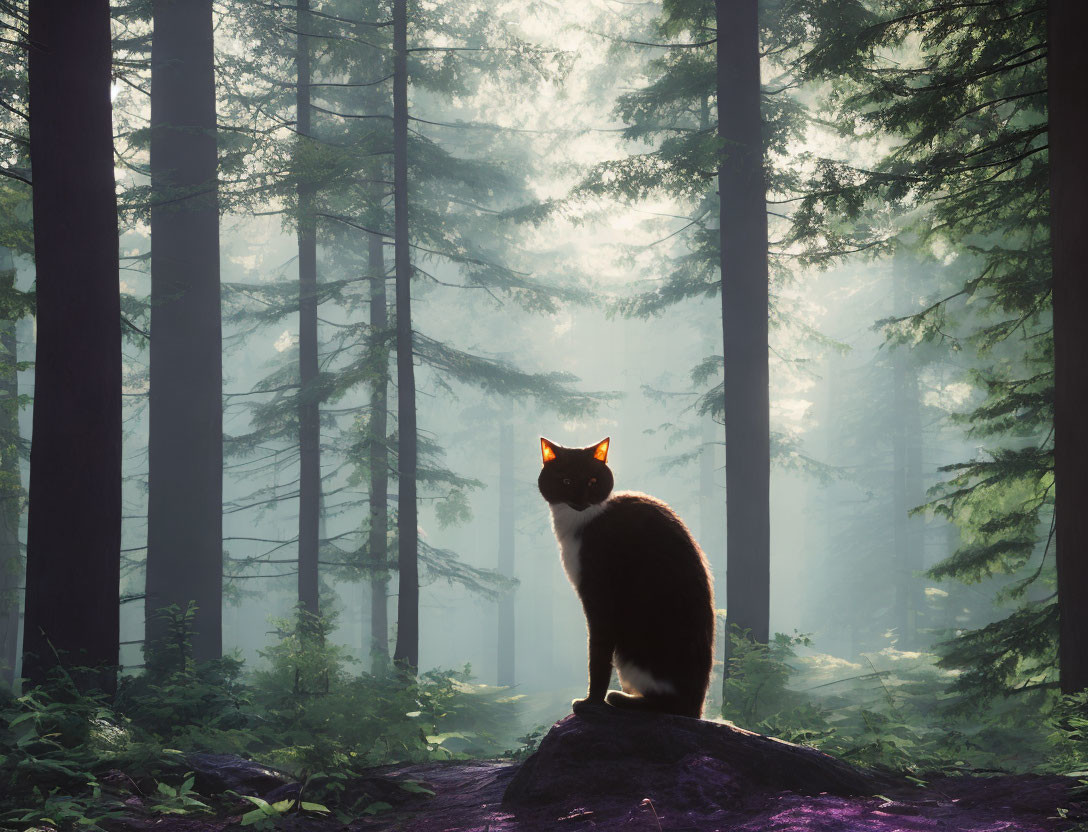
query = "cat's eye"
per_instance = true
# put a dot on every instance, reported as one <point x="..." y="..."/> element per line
<point x="592" y="480"/>
<point x="566" y="482"/>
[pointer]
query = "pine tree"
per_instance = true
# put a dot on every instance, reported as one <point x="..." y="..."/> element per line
<point x="407" y="650"/>
<point x="73" y="566"/>
<point x="11" y="488"/>
<point x="309" y="420"/>
<point x="378" y="457"/>
<point x="185" y="448"/>
<point x="744" y="295"/>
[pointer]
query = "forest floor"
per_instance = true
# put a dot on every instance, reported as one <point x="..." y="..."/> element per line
<point x="611" y="771"/>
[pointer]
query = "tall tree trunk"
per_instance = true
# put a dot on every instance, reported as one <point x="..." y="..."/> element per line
<point x="74" y="534"/>
<point x="11" y="489"/>
<point x="378" y="540"/>
<point x="506" y="643"/>
<point x="406" y="653"/>
<point x="742" y="192"/>
<point x="1067" y="80"/>
<point x="309" y="419"/>
<point x="907" y="490"/>
<point x="185" y="447"/>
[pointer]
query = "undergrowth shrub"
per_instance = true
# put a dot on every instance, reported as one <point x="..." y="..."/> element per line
<point x="69" y="758"/>
<point x="894" y="711"/>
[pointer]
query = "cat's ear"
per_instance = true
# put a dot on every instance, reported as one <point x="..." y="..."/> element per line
<point x="600" y="451"/>
<point x="547" y="450"/>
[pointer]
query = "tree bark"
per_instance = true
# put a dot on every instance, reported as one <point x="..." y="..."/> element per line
<point x="1067" y="80"/>
<point x="378" y="538"/>
<point x="506" y="641"/>
<point x="406" y="653"/>
<point x="185" y="447"/>
<point x="11" y="489"/>
<point x="309" y="418"/>
<point x="74" y="534"/>
<point x="743" y="229"/>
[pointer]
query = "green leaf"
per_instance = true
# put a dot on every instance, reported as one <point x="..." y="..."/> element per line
<point x="249" y="818"/>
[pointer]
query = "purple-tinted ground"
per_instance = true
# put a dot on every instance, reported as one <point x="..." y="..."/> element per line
<point x="608" y="770"/>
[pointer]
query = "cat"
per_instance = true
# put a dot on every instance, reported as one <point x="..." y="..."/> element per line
<point x="643" y="581"/>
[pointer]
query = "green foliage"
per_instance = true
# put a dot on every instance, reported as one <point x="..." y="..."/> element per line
<point x="55" y="744"/>
<point x="185" y="704"/>
<point x="62" y="751"/>
<point x="1069" y="737"/>
<point x="756" y="686"/>
<point x="180" y="800"/>
<point x="266" y="815"/>
<point x="894" y="712"/>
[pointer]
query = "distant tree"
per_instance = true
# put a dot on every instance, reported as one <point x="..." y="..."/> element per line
<point x="506" y="621"/>
<point x="309" y="419"/>
<point x="407" y="649"/>
<point x="74" y="533"/>
<point x="1067" y="81"/>
<point x="377" y="456"/>
<point x="11" y="487"/>
<point x="908" y="490"/>
<point x="185" y="449"/>
<point x="744" y="295"/>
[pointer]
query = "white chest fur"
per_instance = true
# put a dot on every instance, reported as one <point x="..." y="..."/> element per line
<point x="568" y="523"/>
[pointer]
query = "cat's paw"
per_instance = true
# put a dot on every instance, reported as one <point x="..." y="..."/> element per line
<point x="619" y="699"/>
<point x="588" y="706"/>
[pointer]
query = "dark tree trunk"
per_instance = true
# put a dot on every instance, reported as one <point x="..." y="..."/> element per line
<point x="11" y="490"/>
<point x="185" y="447"/>
<point x="74" y="534"/>
<point x="506" y="643"/>
<point x="406" y="653"/>
<point x="309" y="419"/>
<point x="742" y="192"/>
<point x="1067" y="80"/>
<point x="378" y="540"/>
<point x="907" y="489"/>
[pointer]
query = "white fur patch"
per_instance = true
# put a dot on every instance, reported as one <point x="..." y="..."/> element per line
<point x="568" y="523"/>
<point x="633" y="679"/>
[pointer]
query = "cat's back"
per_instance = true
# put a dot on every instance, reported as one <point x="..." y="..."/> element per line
<point x="642" y="533"/>
<point x="632" y="512"/>
<point x="632" y="515"/>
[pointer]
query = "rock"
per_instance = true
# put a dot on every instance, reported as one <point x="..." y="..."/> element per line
<point x="615" y="771"/>
<point x="217" y="773"/>
<point x="674" y="761"/>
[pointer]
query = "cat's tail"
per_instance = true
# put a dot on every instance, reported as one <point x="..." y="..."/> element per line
<point x="666" y="703"/>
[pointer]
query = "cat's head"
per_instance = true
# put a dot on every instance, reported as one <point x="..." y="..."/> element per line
<point x="577" y="477"/>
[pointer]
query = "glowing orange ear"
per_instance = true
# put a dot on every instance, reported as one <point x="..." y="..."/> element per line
<point x="601" y="451"/>
<point x="547" y="450"/>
